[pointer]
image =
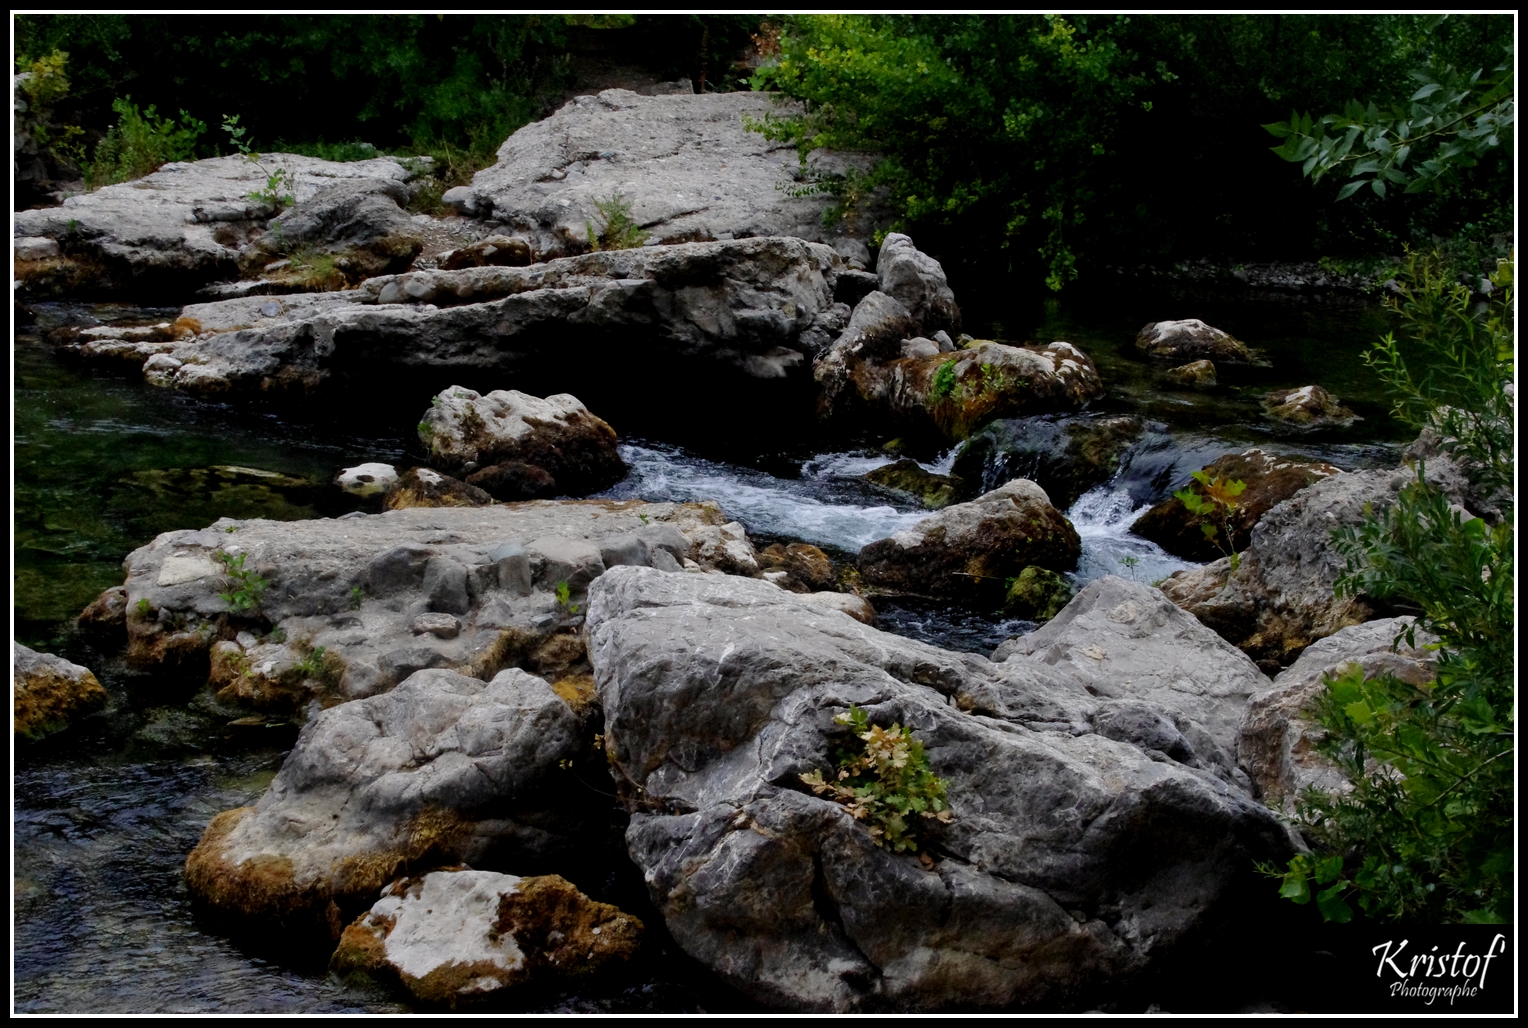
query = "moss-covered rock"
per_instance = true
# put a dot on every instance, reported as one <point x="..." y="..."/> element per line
<point x="1307" y="407"/>
<point x="1192" y="340"/>
<point x="49" y="692"/>
<point x="424" y="487"/>
<point x="908" y="476"/>
<point x="1194" y="375"/>
<point x="1037" y="595"/>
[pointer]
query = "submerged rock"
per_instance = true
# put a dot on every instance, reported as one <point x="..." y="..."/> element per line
<point x="1194" y="375"/>
<point x="48" y="692"/>
<point x="1307" y="407"/>
<point x="457" y="938"/>
<point x="1269" y="481"/>
<point x="467" y="430"/>
<point x="1037" y="595"/>
<point x="1279" y="736"/>
<point x="685" y="167"/>
<point x="181" y="227"/>
<point x="968" y="551"/>
<point x="1091" y="835"/>
<point x="1192" y="340"/>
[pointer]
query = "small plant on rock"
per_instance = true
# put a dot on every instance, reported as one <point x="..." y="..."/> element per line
<point x="565" y="598"/>
<point x="276" y="182"/>
<point x="245" y="587"/>
<point x="1216" y="504"/>
<point x="888" y="783"/>
<point x="944" y="381"/>
<point x="620" y="231"/>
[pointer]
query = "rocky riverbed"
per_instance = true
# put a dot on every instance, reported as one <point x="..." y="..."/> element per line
<point x="525" y="716"/>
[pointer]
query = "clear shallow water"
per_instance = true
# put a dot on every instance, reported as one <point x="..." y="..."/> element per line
<point x="103" y="820"/>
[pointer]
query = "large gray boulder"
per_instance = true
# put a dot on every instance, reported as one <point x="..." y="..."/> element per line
<point x="968" y="551"/>
<point x="1279" y="737"/>
<point x="1074" y="863"/>
<point x="752" y="307"/>
<point x="686" y="165"/>
<point x="181" y="227"/>
<point x="280" y="613"/>
<point x="912" y="277"/>
<point x="1191" y="340"/>
<point x="442" y="770"/>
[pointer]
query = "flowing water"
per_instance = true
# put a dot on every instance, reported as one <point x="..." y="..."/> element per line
<point x="106" y="812"/>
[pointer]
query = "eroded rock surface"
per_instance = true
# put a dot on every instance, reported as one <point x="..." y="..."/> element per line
<point x="968" y="551"/>
<point x="685" y="165"/>
<point x="457" y="938"/>
<point x="1075" y="861"/>
<point x="757" y="307"/>
<point x="182" y="226"/>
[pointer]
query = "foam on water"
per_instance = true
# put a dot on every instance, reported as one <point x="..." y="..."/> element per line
<point x="1102" y="517"/>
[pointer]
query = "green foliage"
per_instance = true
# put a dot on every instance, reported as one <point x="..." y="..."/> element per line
<point x="276" y="180"/>
<point x="1215" y="504"/>
<point x="356" y="597"/>
<point x="887" y="783"/>
<point x="312" y="664"/>
<point x="47" y="83"/>
<point x="943" y="384"/>
<point x="144" y="607"/>
<point x="618" y="229"/>
<point x="1448" y="124"/>
<point x="1426" y="832"/>
<point x="244" y="586"/>
<point x="140" y="143"/>
<point x="565" y="598"/>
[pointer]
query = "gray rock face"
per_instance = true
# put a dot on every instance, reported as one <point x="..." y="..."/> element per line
<point x="1192" y="340"/>
<point x="754" y="306"/>
<point x="686" y="165"/>
<point x="166" y="232"/>
<point x="467" y="430"/>
<point x="1073" y="863"/>
<point x="1278" y="737"/>
<point x="443" y="769"/>
<point x="917" y="280"/>
<point x="355" y="587"/>
<point x="967" y="551"/>
<point x="1280" y="599"/>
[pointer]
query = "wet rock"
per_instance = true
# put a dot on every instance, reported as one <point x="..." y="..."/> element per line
<point x="1065" y="455"/>
<point x="1307" y="407"/>
<point x="1075" y="861"/>
<point x="686" y="166"/>
<point x="512" y="480"/>
<point x="751" y="306"/>
<point x="1194" y="375"/>
<point x="49" y="692"/>
<point x="354" y="587"/>
<point x="968" y="551"/>
<point x="442" y="770"/>
<point x="807" y="569"/>
<point x="457" y="938"/>
<point x="164" y="234"/>
<point x="1037" y="595"/>
<point x="1280" y="598"/>
<point x="367" y="479"/>
<point x="557" y="434"/>
<point x="1192" y="340"/>
<point x="1279" y="736"/>
<point x="1269" y="480"/>
<point x="917" y="281"/>
<point x="425" y="487"/>
<point x="104" y="621"/>
<point x="496" y="250"/>
<point x="908" y="476"/>
<point x="726" y="548"/>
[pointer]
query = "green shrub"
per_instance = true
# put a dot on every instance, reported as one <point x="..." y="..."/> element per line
<point x="245" y="588"/>
<point x="618" y="229"/>
<point x="887" y="783"/>
<point x="1426" y="832"/>
<point x="140" y="143"/>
